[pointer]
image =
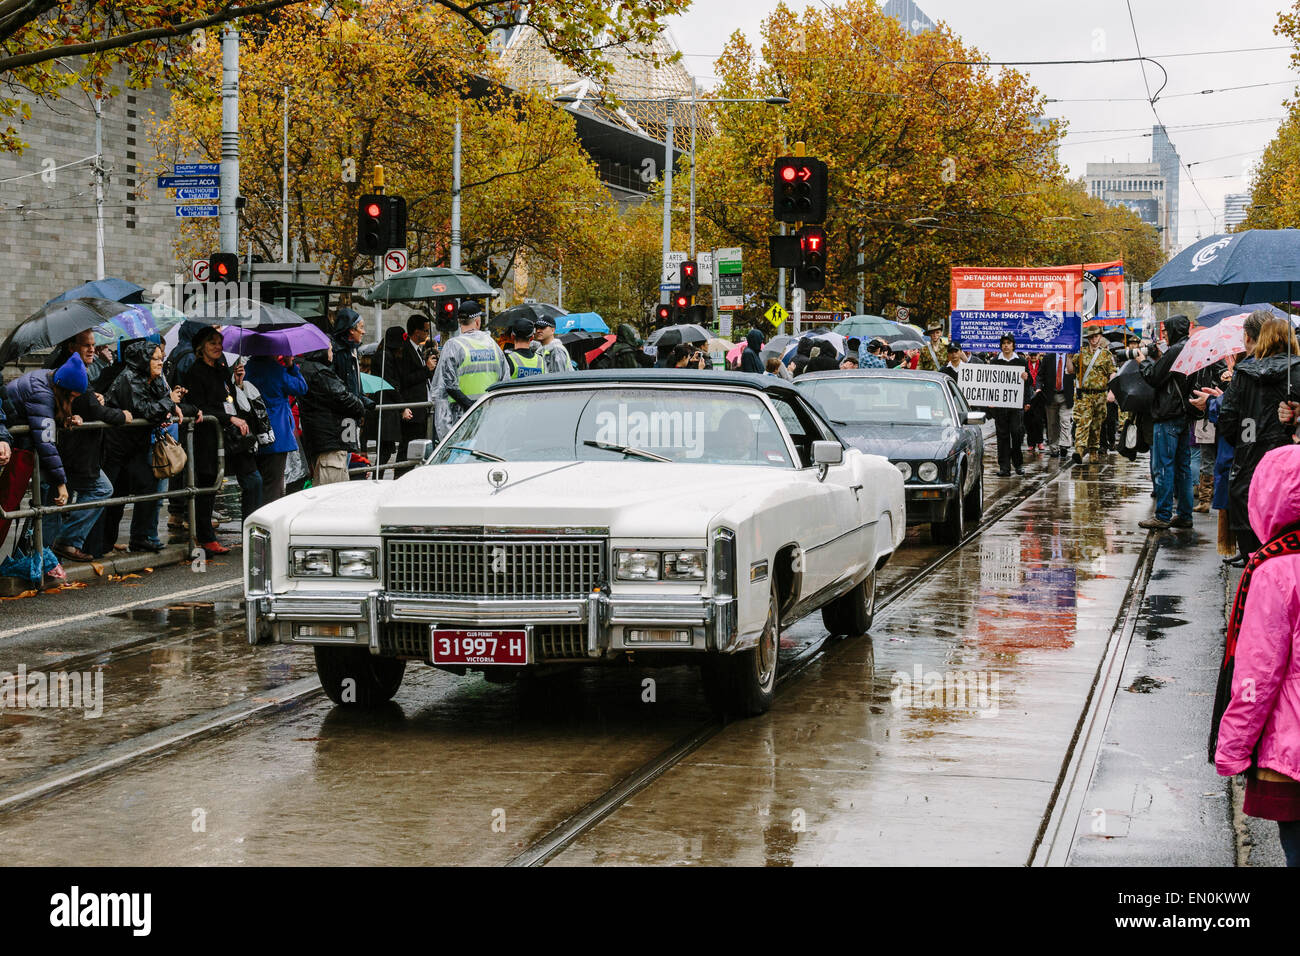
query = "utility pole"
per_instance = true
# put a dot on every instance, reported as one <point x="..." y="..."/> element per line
<point x="284" y="186"/>
<point x="694" y="107"/>
<point x="455" y="194"/>
<point x="796" y="299"/>
<point x="229" y="221"/>
<point x="668" y="199"/>
<point x="99" y="186"/>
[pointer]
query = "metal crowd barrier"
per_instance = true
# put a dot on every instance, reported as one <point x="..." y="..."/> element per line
<point x="397" y="464"/>
<point x="190" y="491"/>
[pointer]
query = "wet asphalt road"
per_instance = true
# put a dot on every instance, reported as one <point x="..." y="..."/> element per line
<point x="457" y="770"/>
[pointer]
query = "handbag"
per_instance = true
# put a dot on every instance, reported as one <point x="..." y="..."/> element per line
<point x="167" y="456"/>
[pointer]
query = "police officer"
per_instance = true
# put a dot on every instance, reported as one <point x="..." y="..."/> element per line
<point x="523" y="358"/>
<point x="934" y="355"/>
<point x="1093" y="368"/>
<point x="468" y="365"/>
<point x="551" y="348"/>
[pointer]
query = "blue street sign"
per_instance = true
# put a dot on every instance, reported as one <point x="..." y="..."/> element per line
<point x="172" y="182"/>
<point x="204" y="212"/>
<point x="189" y="193"/>
<point x="196" y="169"/>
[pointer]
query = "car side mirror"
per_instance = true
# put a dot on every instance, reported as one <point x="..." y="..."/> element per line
<point x="825" y="454"/>
<point x="975" y="418"/>
<point x="421" y="449"/>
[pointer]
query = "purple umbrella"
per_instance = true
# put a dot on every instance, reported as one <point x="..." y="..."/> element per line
<point x="294" y="340"/>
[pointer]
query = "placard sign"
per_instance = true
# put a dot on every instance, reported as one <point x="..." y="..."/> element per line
<point x="1040" y="307"/>
<point x="991" y="386"/>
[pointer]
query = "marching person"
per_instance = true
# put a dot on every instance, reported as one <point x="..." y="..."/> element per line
<point x="523" y="358"/>
<point x="1093" y="368"/>
<point x="933" y="354"/>
<point x="1010" y="422"/>
<point x="469" y="363"/>
<point x="956" y="357"/>
<point x="552" y="349"/>
<point x="1056" y="382"/>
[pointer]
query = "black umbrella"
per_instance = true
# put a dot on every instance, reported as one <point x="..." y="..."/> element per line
<point x="248" y="314"/>
<point x="581" y="335"/>
<point x="57" y="322"/>
<point x="671" y="335"/>
<point x="532" y="311"/>
<point x="1132" y="393"/>
<point x="901" y="343"/>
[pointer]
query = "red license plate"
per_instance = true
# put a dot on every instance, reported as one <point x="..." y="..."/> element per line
<point x="480" y="647"/>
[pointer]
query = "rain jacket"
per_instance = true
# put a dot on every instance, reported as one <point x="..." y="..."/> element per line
<point x="826" y="359"/>
<point x="210" y="392"/>
<point x="1262" y="723"/>
<point x="182" y="356"/>
<point x="347" y="365"/>
<point x="277" y="384"/>
<point x="31" y="396"/>
<point x="1171" y="387"/>
<point x="1248" y="421"/>
<point x="751" y="360"/>
<point x="392" y="366"/>
<point x="447" y="411"/>
<point x="133" y="392"/>
<point x="326" y="408"/>
<point x="82" y="449"/>
<point x="802" y="353"/>
<point x="626" y="352"/>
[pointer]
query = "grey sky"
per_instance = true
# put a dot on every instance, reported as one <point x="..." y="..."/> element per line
<point x="1054" y="29"/>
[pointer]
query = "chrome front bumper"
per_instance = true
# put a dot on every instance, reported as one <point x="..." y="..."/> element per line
<point x="606" y="619"/>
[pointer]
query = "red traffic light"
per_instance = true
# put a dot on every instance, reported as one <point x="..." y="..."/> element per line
<point x="812" y="243"/>
<point x="373" y="210"/>
<point x="787" y="173"/>
<point x="681" y="301"/>
<point x="449" y="307"/>
<point x="688" y="268"/>
<point x="223" y="270"/>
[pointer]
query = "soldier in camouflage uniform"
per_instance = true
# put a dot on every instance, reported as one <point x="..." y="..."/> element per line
<point x="1093" y="368"/>
<point x="934" y="354"/>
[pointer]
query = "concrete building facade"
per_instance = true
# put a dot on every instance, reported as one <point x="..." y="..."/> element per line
<point x="1234" y="209"/>
<point x="1141" y="187"/>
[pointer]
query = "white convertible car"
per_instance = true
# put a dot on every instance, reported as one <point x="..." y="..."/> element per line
<point x="666" y="517"/>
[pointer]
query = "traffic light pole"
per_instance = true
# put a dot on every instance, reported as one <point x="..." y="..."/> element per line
<point x="668" y="201"/>
<point x="796" y="297"/>
<point x="455" y="194"/>
<point x="229" y="219"/>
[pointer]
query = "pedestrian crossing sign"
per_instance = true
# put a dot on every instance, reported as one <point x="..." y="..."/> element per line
<point x="776" y="315"/>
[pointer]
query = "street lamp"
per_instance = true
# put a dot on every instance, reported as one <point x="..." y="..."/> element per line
<point x="668" y="155"/>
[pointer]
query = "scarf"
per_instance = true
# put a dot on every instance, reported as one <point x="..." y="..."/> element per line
<point x="1286" y="541"/>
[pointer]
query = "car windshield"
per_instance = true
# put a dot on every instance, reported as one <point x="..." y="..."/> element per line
<point x="867" y="400"/>
<point x="698" y="426"/>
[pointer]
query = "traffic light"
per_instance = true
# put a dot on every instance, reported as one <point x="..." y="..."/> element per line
<point x="223" y="267"/>
<point x="811" y="274"/>
<point x="446" y="319"/>
<point x="699" y="315"/>
<point x="681" y="300"/>
<point x="663" y="316"/>
<point x="374" y="225"/>
<point x="397" y="223"/>
<point x="689" y="275"/>
<point x="799" y="189"/>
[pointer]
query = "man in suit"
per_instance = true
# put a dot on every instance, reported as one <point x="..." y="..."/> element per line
<point x="1056" y="382"/>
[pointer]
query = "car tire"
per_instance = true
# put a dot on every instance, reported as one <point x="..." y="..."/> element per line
<point x="743" y="684"/>
<point x="974" y="501"/>
<point x="374" y="680"/>
<point x="851" y="614"/>
<point x="953" y="526"/>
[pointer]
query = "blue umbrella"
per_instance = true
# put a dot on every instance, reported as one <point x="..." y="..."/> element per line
<point x="1216" y="312"/>
<point x="1257" y="265"/>
<point x="580" y="322"/>
<point x="119" y="290"/>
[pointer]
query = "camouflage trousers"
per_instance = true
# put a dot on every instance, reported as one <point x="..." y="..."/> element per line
<point x="1089" y="416"/>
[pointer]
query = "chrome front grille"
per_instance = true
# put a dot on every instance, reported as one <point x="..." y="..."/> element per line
<point x="405" y="639"/>
<point x="488" y="568"/>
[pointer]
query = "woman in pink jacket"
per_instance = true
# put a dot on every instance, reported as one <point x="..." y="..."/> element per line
<point x="1260" y="731"/>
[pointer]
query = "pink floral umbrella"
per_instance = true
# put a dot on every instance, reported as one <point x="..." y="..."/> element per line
<point x="1207" y="346"/>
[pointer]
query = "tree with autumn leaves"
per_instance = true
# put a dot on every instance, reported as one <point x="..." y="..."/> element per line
<point x="934" y="161"/>
<point x="1275" y="185"/>
<point x="384" y="87"/>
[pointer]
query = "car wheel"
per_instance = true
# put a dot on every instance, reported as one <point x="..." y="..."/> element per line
<point x="974" y="501"/>
<point x="353" y="677"/>
<point x="953" y="526"/>
<point x="742" y="684"/>
<point x="852" y="613"/>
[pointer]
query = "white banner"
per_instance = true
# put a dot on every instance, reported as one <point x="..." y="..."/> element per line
<point x="991" y="386"/>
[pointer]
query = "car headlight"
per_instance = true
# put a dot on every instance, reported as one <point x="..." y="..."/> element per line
<point x="637" y="565"/>
<point x="928" y="471"/>
<point x="356" y="562"/>
<point x="311" y="562"/>
<point x="684" y="565"/>
<point x="904" y="469"/>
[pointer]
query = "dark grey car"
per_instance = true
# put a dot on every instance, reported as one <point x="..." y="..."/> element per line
<point x="922" y="424"/>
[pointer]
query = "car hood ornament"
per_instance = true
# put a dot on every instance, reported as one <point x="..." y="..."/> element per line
<point x="498" y="477"/>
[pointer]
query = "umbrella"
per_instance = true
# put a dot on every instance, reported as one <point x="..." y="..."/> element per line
<point x="734" y="355"/>
<point x="373" y="383"/>
<point x="777" y="345"/>
<point x="1207" y="346"/>
<point x="580" y="322"/>
<point x="532" y="311"/>
<point x="718" y="345"/>
<point x="294" y="340"/>
<point x="671" y="335"/>
<point x="865" y="326"/>
<point x="248" y="314"/>
<point x="904" y="341"/>
<point x="117" y="290"/>
<point x="429" y="284"/>
<point x="568" y="338"/>
<point x="828" y="338"/>
<point x="600" y="350"/>
<point x="137" y="322"/>
<point x="1216" y="312"/>
<point x="56" y="323"/>
<point x="1131" y="391"/>
<point x="1256" y="265"/>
